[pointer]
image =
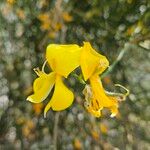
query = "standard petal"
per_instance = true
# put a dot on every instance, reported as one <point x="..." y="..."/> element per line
<point x="62" y="97"/>
<point x="92" y="62"/>
<point x="63" y="59"/>
<point x="88" y="61"/>
<point x="103" y="65"/>
<point x="42" y="87"/>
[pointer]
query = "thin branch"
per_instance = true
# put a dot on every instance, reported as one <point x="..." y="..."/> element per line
<point x="58" y="7"/>
<point x="120" y="56"/>
<point x="140" y="38"/>
<point x="122" y="52"/>
<point x="143" y="48"/>
<point x="55" y="132"/>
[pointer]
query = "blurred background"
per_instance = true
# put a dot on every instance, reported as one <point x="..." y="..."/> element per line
<point x="119" y="29"/>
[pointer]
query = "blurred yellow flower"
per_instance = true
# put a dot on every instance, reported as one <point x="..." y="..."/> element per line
<point x="20" y="120"/>
<point x="67" y="17"/>
<point x="11" y="2"/>
<point x="45" y="25"/>
<point x="77" y="144"/>
<point x="95" y="135"/>
<point x="45" y="20"/>
<point x="103" y="128"/>
<point x="52" y="34"/>
<point x="28" y="128"/>
<point x="57" y="26"/>
<point x="44" y="17"/>
<point x="21" y="14"/>
<point x="38" y="108"/>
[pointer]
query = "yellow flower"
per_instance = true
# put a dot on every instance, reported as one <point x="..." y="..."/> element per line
<point x="63" y="59"/>
<point x="45" y="20"/>
<point x="28" y="129"/>
<point x="44" y="17"/>
<point x="95" y="135"/>
<point x="103" y="128"/>
<point x="67" y="17"/>
<point x="77" y="144"/>
<point x="45" y="25"/>
<point x="21" y="14"/>
<point x="38" y="108"/>
<point x="93" y="64"/>
<point x="11" y="2"/>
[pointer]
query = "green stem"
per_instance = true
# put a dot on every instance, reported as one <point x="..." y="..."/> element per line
<point x="79" y="78"/>
<point x="111" y="67"/>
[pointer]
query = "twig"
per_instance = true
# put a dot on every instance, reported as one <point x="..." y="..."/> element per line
<point x="120" y="56"/>
<point x="140" y="39"/>
<point x="59" y="10"/>
<point x="122" y="52"/>
<point x="143" y="48"/>
<point x="55" y="132"/>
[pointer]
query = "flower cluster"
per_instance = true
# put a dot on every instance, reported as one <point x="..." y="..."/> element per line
<point x="63" y="59"/>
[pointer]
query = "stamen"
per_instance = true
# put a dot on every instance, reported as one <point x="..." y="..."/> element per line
<point x="37" y="71"/>
<point x="44" y="66"/>
<point x="127" y="91"/>
<point x="121" y="96"/>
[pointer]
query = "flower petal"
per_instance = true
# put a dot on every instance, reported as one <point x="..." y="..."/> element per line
<point x="114" y="108"/>
<point x="96" y="113"/>
<point x="63" y="59"/>
<point x="99" y="93"/>
<point x="103" y="64"/>
<point x="62" y="97"/>
<point x="114" y="111"/>
<point x="42" y="87"/>
<point x="92" y="62"/>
